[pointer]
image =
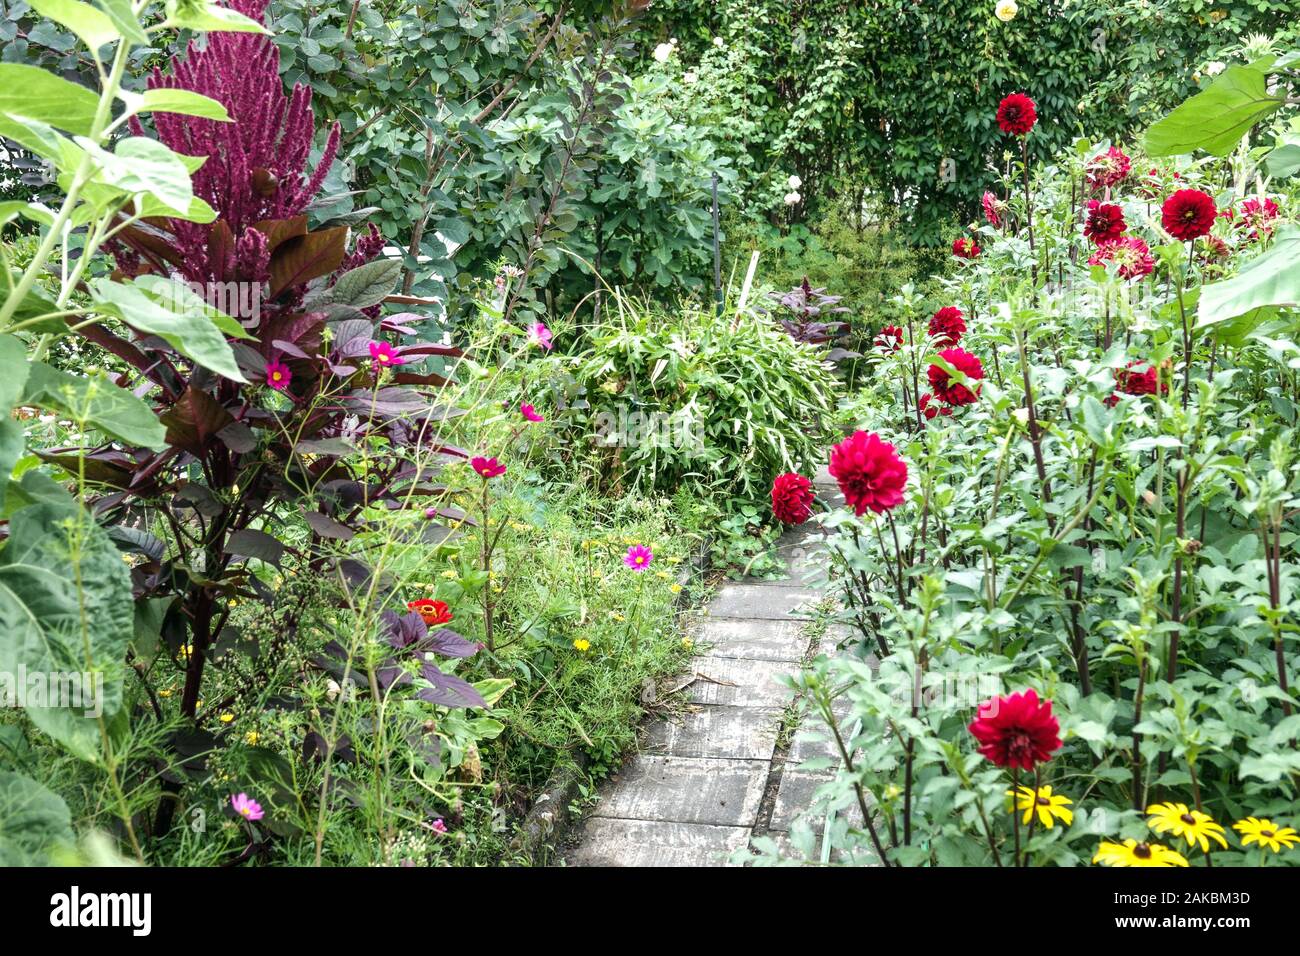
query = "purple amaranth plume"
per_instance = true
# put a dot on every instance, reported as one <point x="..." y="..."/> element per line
<point x="256" y="166"/>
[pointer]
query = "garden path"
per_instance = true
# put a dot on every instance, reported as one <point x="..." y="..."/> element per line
<point x="707" y="782"/>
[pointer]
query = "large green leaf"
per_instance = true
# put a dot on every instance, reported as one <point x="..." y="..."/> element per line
<point x="211" y="17"/>
<point x="139" y="165"/>
<point x="37" y="94"/>
<point x="33" y="821"/>
<point x="176" y="314"/>
<point x="13" y="373"/>
<point x="98" y="402"/>
<point x="1217" y="118"/>
<point x="65" y="609"/>
<point x="187" y="102"/>
<point x="1269" y="280"/>
<point x="92" y="25"/>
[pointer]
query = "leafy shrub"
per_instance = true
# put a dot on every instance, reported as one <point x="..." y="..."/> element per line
<point x="722" y="403"/>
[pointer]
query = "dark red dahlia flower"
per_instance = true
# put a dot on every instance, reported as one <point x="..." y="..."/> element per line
<point x="964" y="248"/>
<point x="869" y="472"/>
<point x="1108" y="169"/>
<point x="1104" y="222"/>
<point x="792" y="498"/>
<point x="948" y="324"/>
<point x="1129" y="254"/>
<point x="1258" y="216"/>
<point x="1017" y="114"/>
<point x="1188" y="214"/>
<point x="1017" y="730"/>
<point x="890" y="337"/>
<point x="931" y="406"/>
<point x="949" y="392"/>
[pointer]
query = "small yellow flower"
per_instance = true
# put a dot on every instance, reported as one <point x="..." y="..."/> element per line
<point x="1133" y="853"/>
<point x="164" y="693"/>
<point x="675" y="588"/>
<point x="687" y="643"/>
<point x="582" y="645"/>
<point x="663" y="576"/>
<point x="1050" y="808"/>
<point x="1195" y="826"/>
<point x="227" y="717"/>
<point x="587" y="545"/>
<point x="449" y="574"/>
<point x="251" y="738"/>
<point x="1265" y="833"/>
<point x="615" y="616"/>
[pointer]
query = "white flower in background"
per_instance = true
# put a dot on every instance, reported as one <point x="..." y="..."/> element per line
<point x="717" y="41"/>
<point x="1215" y="68"/>
<point x="690" y="76"/>
<point x="792" y="198"/>
<point x="663" y="51"/>
<point x="1006" y="10"/>
<point x="794" y="182"/>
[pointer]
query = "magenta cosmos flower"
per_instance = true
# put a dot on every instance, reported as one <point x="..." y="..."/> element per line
<point x="278" y="375"/>
<point x="539" y="334"/>
<point x="246" y="806"/>
<point x="530" y="413"/>
<point x="437" y="826"/>
<point x="487" y="467"/>
<point x="384" y="355"/>
<point x="638" y="557"/>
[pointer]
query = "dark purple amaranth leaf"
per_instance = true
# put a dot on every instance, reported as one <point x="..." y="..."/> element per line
<point x="426" y="745"/>
<point x="315" y="747"/>
<point x="448" y="690"/>
<point x="398" y="402"/>
<point x="332" y="447"/>
<point x="194" y="420"/>
<point x="238" y="437"/>
<point x="447" y="644"/>
<point x="298" y="260"/>
<point x="327" y="527"/>
<point x="251" y="543"/>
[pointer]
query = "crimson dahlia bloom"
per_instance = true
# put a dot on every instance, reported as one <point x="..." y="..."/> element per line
<point x="1104" y="222"/>
<point x="890" y="337"/>
<point x="945" y="389"/>
<point x="964" y="248"/>
<point x="1188" y="214"/>
<point x="948" y="324"/>
<point x="792" y="498"/>
<point x="1017" y="114"/>
<point x="1131" y="382"/>
<point x="993" y="209"/>
<point x="1108" y="169"/>
<point x="1129" y="254"/>
<point x="869" y="472"/>
<point x="1258" y="216"/>
<point x="931" y="406"/>
<point x="1017" y="730"/>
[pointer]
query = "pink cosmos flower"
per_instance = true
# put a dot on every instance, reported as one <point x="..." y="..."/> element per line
<point x="539" y="334"/>
<point x="530" y="413"/>
<point x="487" y="467"/>
<point x="246" y="807"/>
<point x="437" y="826"/>
<point x="638" y="557"/>
<point x="384" y="355"/>
<point x="278" y="375"/>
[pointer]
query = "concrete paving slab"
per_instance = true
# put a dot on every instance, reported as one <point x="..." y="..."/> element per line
<point x="738" y="733"/>
<point x="762" y="602"/>
<point x="738" y="683"/>
<point x="686" y="790"/>
<point x="615" y="842"/>
<point x="752" y="640"/>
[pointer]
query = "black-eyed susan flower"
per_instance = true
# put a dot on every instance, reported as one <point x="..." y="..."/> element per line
<point x="1179" y="821"/>
<point x="1051" y="807"/>
<point x="1133" y="853"/>
<point x="1265" y="833"/>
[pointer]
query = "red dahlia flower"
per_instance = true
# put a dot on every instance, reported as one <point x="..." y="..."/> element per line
<point x="1188" y="214"/>
<point x="869" y="472"/>
<point x="964" y="248"/>
<point x="948" y="324"/>
<point x="792" y="498"/>
<point x="1104" y="222"/>
<point x="1108" y="169"/>
<point x="993" y="209"/>
<point x="1130" y="255"/>
<point x="1017" y="114"/>
<point x="433" y="612"/>
<point x="949" y="392"/>
<point x="890" y="337"/>
<point x="1258" y="216"/>
<point x="1017" y="730"/>
<point x="931" y="406"/>
<point x="1130" y="382"/>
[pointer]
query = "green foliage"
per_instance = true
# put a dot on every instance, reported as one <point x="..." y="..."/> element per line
<point x="722" y="404"/>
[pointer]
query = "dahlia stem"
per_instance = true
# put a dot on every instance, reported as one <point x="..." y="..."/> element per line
<point x="487" y="570"/>
<point x="1138" y="796"/>
<point x="1035" y="436"/>
<point x="829" y="716"/>
<point x="1033" y="816"/>
<point x="1187" y="332"/>
<point x="1015" y="817"/>
<point x="1029" y="207"/>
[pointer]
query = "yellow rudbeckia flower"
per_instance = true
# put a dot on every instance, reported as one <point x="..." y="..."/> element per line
<point x="1265" y="833"/>
<point x="1193" y="825"/>
<point x="1050" y="807"/>
<point x="1132" y="853"/>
